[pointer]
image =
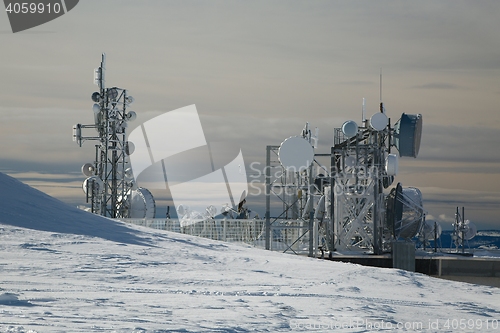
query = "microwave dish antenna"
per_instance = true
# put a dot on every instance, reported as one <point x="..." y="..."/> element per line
<point x="111" y="183"/>
<point x="296" y="154"/>
<point x="404" y="211"/>
<point x="408" y="134"/>
<point x="379" y="121"/>
<point x="350" y="128"/>
<point x="431" y="230"/>
<point x="468" y="230"/>
<point x="141" y="203"/>
<point x="88" y="169"/>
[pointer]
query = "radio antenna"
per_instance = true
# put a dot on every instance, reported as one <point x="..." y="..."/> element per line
<point x="381" y="103"/>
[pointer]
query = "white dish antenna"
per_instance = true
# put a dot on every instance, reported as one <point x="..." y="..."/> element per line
<point x="350" y="128"/>
<point x="296" y="153"/>
<point x="211" y="211"/>
<point x="129" y="174"/>
<point x="141" y="204"/>
<point x="88" y="169"/>
<point x="391" y="165"/>
<point x="112" y="93"/>
<point x="468" y="230"/>
<point x="129" y="100"/>
<point x="350" y="161"/>
<point x="379" y="121"/>
<point x="129" y="148"/>
<point x="431" y="230"/>
<point x="93" y="181"/>
<point x="131" y="115"/>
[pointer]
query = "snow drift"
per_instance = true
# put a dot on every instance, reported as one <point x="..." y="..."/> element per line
<point x="24" y="206"/>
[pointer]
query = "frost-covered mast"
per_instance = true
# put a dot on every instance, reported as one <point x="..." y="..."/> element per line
<point x="108" y="181"/>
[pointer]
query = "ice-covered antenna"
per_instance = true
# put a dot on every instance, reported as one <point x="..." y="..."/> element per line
<point x="363" y="111"/>
<point x="381" y="103"/>
<point x="114" y="195"/>
<point x="99" y="73"/>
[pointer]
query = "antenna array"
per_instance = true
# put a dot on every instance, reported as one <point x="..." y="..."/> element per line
<point x="108" y="184"/>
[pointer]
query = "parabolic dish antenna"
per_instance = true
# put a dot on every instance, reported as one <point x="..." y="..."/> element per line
<point x="113" y="93"/>
<point x="131" y="115"/>
<point x="404" y="211"/>
<point x="350" y="161"/>
<point x="141" y="204"/>
<point x="350" y="128"/>
<point x="408" y="134"/>
<point x="391" y="165"/>
<point x="96" y="97"/>
<point x="129" y="147"/>
<point x="379" y="121"/>
<point x="88" y="169"/>
<point x="296" y="153"/>
<point x="468" y="230"/>
<point x="431" y="230"/>
<point x="94" y="181"/>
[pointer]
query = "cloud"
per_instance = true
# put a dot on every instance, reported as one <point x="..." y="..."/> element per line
<point x="443" y="86"/>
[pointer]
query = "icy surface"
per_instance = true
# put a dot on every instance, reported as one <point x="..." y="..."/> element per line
<point x="64" y="270"/>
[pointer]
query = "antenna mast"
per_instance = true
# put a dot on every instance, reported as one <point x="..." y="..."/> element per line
<point x="381" y="103"/>
<point x="107" y="186"/>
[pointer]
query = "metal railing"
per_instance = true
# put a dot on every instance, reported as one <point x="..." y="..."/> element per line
<point x="292" y="236"/>
<point x="249" y="231"/>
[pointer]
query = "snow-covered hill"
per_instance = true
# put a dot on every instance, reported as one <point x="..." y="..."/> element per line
<point x="64" y="270"/>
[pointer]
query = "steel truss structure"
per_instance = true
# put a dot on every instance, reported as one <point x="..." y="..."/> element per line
<point x="344" y="207"/>
<point x="108" y="184"/>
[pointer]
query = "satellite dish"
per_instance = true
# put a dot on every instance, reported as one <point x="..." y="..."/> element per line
<point x="391" y="165"/>
<point x="129" y="147"/>
<point x="350" y="161"/>
<point x="243" y="196"/>
<point x="408" y="134"/>
<point x="96" y="108"/>
<point x="350" y="128"/>
<point x="430" y="230"/>
<point x="296" y="153"/>
<point x="112" y="93"/>
<point x="129" y="100"/>
<point x="96" y="97"/>
<point x="129" y="174"/>
<point x="88" y="169"/>
<point x="131" y="116"/>
<point x="211" y="211"/>
<point x="404" y="213"/>
<point x="93" y="181"/>
<point x="467" y="230"/>
<point x="182" y="210"/>
<point x="379" y="121"/>
<point x="141" y="204"/>
<point x="387" y="181"/>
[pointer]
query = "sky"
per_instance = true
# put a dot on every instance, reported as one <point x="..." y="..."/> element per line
<point x="257" y="71"/>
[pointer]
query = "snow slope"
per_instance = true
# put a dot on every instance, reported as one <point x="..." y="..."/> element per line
<point x="64" y="270"/>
